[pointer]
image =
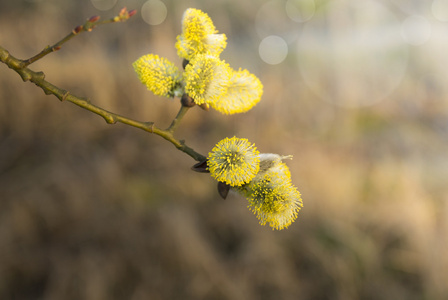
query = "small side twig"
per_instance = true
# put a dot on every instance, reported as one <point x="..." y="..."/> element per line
<point x="88" y="26"/>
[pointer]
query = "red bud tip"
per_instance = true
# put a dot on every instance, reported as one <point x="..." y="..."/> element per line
<point x="123" y="11"/>
<point x="77" y="29"/>
<point x="94" y="19"/>
<point x="57" y="48"/>
<point x="132" y="12"/>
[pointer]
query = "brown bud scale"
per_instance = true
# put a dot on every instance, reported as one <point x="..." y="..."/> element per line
<point x="187" y="101"/>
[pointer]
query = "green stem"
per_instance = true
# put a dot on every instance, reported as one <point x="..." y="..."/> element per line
<point x="183" y="110"/>
<point x="38" y="78"/>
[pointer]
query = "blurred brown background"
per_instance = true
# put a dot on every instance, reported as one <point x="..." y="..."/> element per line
<point x="355" y="90"/>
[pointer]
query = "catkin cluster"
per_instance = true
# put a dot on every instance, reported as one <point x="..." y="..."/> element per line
<point x="206" y="79"/>
<point x="209" y="81"/>
<point x="262" y="178"/>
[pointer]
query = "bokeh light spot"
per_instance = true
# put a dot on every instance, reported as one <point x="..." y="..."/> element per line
<point x="410" y="7"/>
<point x="416" y="30"/>
<point x="272" y="19"/>
<point x="104" y="4"/>
<point x="351" y="54"/>
<point x="154" y="12"/>
<point x="300" y="10"/>
<point x="439" y="9"/>
<point x="273" y="50"/>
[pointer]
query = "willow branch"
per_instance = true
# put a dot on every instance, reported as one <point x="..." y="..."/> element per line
<point x="88" y="26"/>
<point x="38" y="78"/>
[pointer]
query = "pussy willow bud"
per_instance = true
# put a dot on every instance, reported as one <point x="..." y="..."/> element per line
<point x="123" y="15"/>
<point x="94" y="19"/>
<point x="123" y="12"/>
<point x="77" y="29"/>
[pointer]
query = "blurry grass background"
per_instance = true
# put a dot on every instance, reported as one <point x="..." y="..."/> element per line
<point x="96" y="211"/>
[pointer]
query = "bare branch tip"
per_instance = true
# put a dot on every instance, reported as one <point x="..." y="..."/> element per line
<point x="40" y="75"/>
<point x="26" y="76"/>
<point x="149" y="126"/>
<point x="64" y="97"/>
<point x="124" y="15"/>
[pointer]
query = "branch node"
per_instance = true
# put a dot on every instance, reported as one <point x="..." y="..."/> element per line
<point x="26" y="76"/>
<point x="149" y="126"/>
<point x="40" y="75"/>
<point x="110" y="119"/>
<point x="4" y="55"/>
<point x="64" y="97"/>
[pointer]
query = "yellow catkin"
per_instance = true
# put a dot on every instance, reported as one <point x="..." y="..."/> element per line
<point x="243" y="93"/>
<point x="274" y="201"/>
<point x="199" y="36"/>
<point x="206" y="79"/>
<point x="159" y="75"/>
<point x="233" y="161"/>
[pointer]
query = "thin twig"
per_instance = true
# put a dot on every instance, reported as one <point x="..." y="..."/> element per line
<point x="88" y="26"/>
